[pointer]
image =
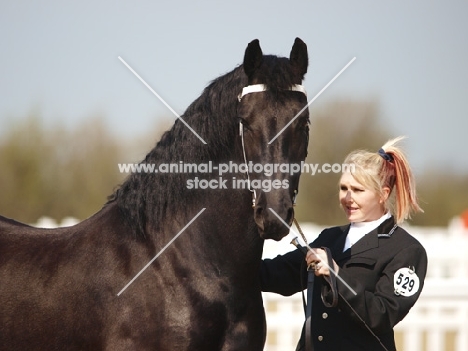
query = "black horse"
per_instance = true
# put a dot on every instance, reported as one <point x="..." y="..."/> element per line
<point x="59" y="288"/>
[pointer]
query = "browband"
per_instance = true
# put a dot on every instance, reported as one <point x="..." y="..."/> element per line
<point x="256" y="88"/>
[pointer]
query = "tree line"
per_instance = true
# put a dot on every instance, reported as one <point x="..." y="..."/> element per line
<point x="60" y="172"/>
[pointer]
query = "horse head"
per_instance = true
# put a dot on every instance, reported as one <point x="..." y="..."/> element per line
<point x="274" y="128"/>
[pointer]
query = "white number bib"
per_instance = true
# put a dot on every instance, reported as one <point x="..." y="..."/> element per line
<point x="405" y="282"/>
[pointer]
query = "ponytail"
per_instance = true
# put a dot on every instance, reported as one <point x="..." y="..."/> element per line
<point x="396" y="174"/>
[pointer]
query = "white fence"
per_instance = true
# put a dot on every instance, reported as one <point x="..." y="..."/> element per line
<point x="438" y="321"/>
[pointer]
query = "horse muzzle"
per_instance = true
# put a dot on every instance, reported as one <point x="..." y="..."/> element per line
<point x="273" y="218"/>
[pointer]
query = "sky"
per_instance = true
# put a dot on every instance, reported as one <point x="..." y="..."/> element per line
<point x="61" y="59"/>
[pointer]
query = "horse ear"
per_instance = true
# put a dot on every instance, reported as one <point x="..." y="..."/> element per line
<point x="253" y="57"/>
<point x="299" y="58"/>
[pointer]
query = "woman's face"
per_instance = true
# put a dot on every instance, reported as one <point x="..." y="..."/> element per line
<point x="359" y="203"/>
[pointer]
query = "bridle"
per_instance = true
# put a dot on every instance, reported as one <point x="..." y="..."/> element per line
<point x="258" y="88"/>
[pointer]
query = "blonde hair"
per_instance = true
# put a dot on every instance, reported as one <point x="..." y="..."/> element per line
<point x="388" y="167"/>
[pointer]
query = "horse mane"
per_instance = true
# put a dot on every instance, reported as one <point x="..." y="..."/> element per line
<point x="146" y="199"/>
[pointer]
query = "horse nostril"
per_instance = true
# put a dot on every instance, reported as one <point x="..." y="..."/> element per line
<point x="259" y="211"/>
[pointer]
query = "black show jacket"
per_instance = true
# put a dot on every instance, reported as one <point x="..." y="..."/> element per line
<point x="366" y="285"/>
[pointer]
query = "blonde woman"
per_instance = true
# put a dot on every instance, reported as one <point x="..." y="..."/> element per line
<point x="379" y="268"/>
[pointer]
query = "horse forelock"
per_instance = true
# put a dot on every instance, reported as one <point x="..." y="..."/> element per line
<point x="276" y="73"/>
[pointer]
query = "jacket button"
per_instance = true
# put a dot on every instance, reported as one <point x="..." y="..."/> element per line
<point x="324" y="315"/>
<point x="320" y="338"/>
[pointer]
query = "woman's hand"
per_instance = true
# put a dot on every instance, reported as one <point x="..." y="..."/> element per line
<point x="317" y="259"/>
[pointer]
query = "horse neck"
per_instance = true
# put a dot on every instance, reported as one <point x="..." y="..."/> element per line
<point x="226" y="235"/>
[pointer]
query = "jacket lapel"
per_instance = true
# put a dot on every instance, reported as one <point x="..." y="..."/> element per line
<point x="367" y="242"/>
